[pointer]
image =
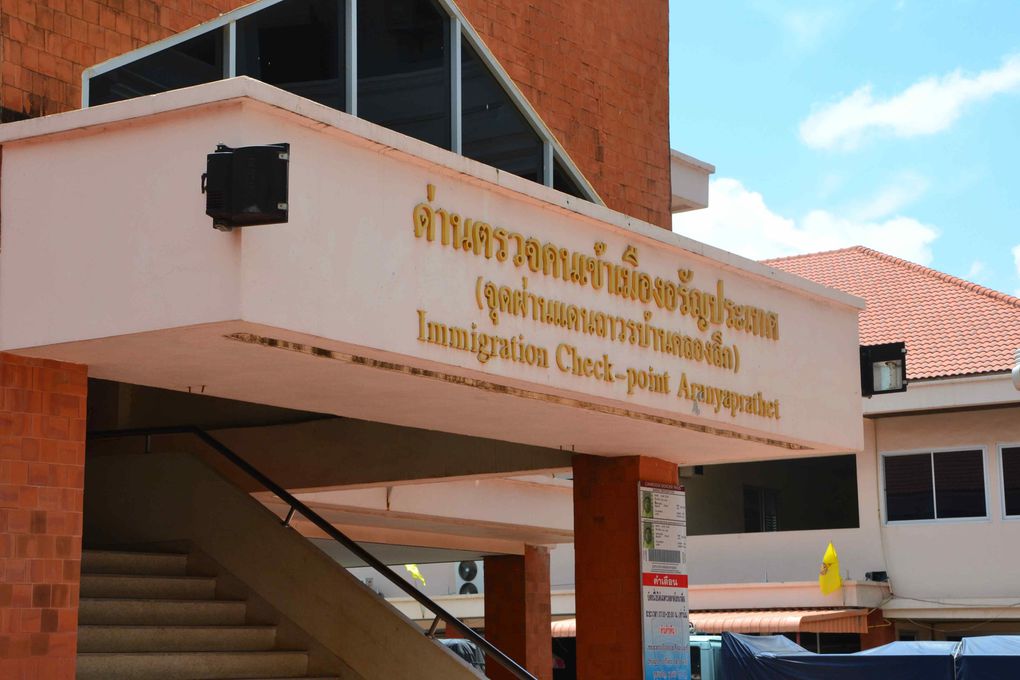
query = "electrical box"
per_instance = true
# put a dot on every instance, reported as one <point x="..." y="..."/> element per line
<point x="247" y="186"/>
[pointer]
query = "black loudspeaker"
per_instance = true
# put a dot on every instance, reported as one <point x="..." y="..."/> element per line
<point x="247" y="186"/>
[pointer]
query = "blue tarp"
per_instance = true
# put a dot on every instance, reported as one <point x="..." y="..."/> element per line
<point x="774" y="657"/>
<point x="994" y="657"/>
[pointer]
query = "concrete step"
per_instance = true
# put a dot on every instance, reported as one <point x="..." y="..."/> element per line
<point x="175" y="638"/>
<point x="155" y="612"/>
<point x="134" y="563"/>
<point x="148" y="587"/>
<point x="191" y="666"/>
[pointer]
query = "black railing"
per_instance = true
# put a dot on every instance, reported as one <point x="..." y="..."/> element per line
<point x="296" y="505"/>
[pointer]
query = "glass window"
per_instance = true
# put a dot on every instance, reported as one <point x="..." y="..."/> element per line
<point x="908" y="492"/>
<point x="494" y="131"/>
<point x="1011" y="479"/>
<point x="562" y="181"/>
<point x="939" y="485"/>
<point x="403" y="68"/>
<point x="192" y="62"/>
<point x="296" y="45"/>
<point x="959" y="484"/>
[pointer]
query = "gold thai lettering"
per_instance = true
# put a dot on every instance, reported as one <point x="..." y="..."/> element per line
<point x="707" y="307"/>
<point x="499" y="301"/>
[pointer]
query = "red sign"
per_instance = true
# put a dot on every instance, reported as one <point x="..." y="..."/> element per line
<point x="664" y="580"/>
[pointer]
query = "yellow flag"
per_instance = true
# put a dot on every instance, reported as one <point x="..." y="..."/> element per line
<point x="828" y="576"/>
<point x="415" y="572"/>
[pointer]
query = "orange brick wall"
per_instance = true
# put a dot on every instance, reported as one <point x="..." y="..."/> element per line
<point x="42" y="459"/>
<point x="880" y="631"/>
<point x="46" y="44"/>
<point x="606" y="524"/>
<point x="518" y="611"/>
<point x="595" y="71"/>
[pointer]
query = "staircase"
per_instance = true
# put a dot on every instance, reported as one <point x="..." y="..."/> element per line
<point x="143" y="616"/>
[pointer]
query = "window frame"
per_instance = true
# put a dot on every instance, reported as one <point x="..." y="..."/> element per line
<point x="1000" y="447"/>
<point x="883" y="495"/>
<point x="460" y="27"/>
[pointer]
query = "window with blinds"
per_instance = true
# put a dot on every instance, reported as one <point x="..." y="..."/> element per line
<point x="935" y="485"/>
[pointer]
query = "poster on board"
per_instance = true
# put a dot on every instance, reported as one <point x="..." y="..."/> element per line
<point x="662" y="524"/>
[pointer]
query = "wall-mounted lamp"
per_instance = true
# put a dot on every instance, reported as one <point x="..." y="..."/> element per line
<point x="883" y="368"/>
<point x="247" y="185"/>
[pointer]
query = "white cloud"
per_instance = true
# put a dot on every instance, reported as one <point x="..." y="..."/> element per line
<point x="803" y="27"/>
<point x="928" y="106"/>
<point x="978" y="272"/>
<point x="903" y="190"/>
<point x="738" y="220"/>
<point x="808" y="27"/>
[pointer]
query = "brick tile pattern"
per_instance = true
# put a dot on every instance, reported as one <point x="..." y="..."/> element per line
<point x="607" y="562"/>
<point x="880" y="631"/>
<point x="952" y="327"/>
<point x="46" y="44"/>
<point x="595" y="71"/>
<point x="518" y="611"/>
<point x="42" y="465"/>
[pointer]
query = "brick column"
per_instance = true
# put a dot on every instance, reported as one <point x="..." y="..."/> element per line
<point x="42" y="464"/>
<point x="607" y="568"/>
<point x="518" y="611"/>
<point x="880" y="631"/>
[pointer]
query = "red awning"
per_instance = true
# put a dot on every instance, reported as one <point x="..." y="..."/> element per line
<point x="761" y="621"/>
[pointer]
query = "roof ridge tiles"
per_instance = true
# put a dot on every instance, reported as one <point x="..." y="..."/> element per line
<point x="942" y="276"/>
<point x="787" y="258"/>
<point x="907" y="264"/>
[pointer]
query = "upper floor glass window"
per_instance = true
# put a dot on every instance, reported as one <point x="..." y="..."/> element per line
<point x="414" y="66"/>
<point x="192" y="62"/>
<point x="297" y="46"/>
<point x="1011" y="480"/>
<point x="495" y="131"/>
<point x="403" y="69"/>
<point x="934" y="485"/>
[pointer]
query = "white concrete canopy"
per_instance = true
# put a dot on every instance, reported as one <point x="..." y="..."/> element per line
<point x="688" y="179"/>
<point x="108" y="259"/>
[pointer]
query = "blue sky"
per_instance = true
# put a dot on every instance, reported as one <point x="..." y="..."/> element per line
<point x="890" y="123"/>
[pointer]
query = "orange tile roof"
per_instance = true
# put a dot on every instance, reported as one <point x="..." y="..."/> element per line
<point x="951" y="326"/>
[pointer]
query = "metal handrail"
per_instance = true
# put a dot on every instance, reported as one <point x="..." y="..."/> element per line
<point x="421" y="598"/>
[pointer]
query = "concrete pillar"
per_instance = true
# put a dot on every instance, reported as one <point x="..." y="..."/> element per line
<point x="42" y="463"/>
<point x="518" y="611"/>
<point x="880" y="631"/>
<point x="607" y="568"/>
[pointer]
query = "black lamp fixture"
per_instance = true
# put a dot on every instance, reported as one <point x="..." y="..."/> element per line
<point x="247" y="186"/>
<point x="883" y="368"/>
